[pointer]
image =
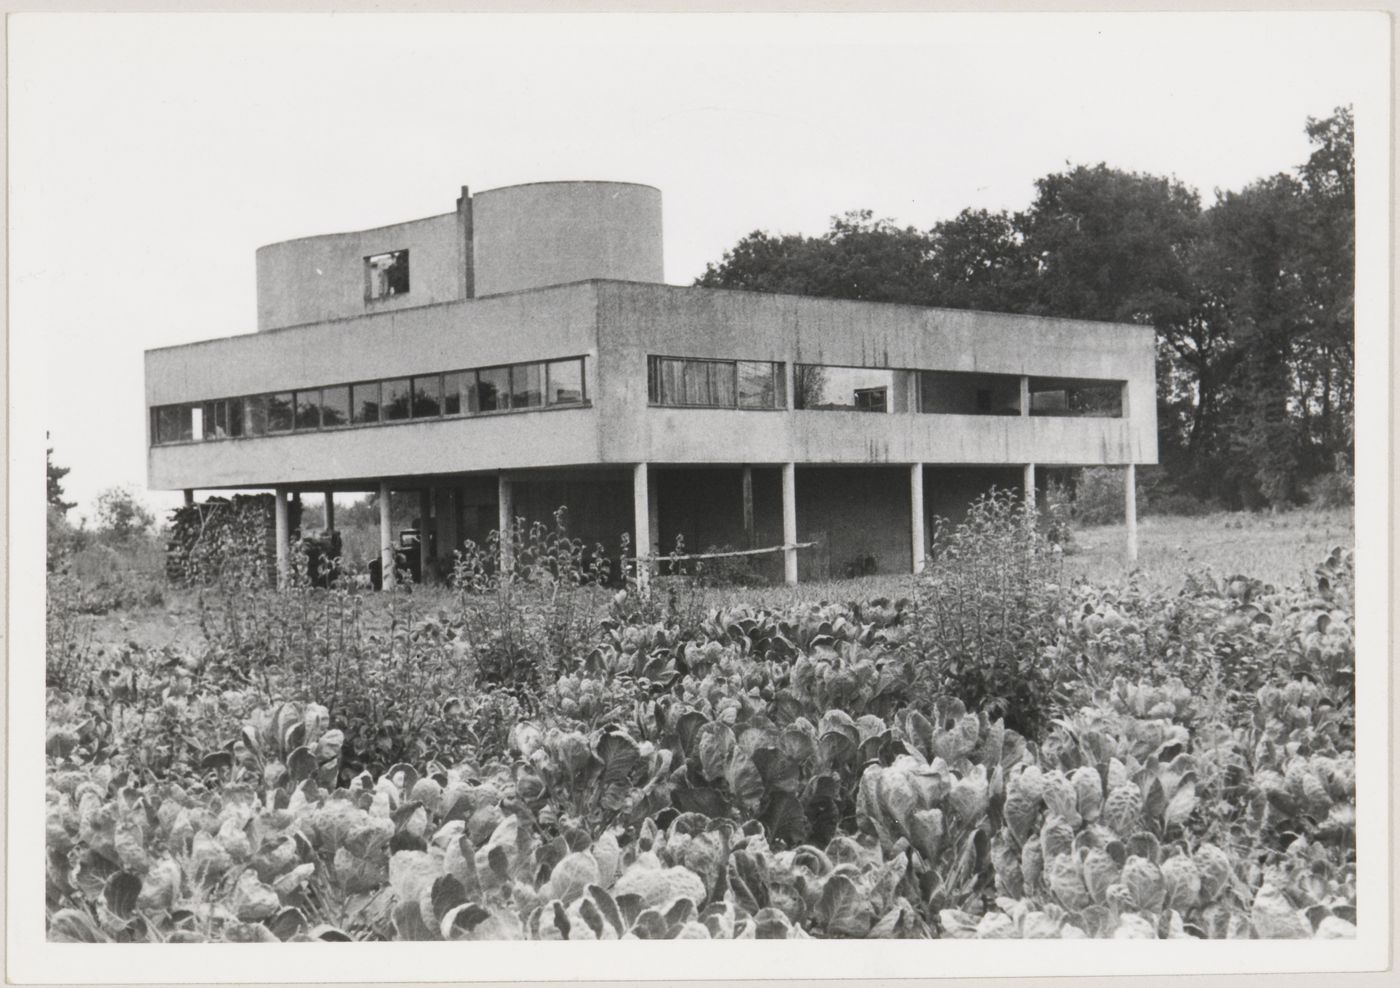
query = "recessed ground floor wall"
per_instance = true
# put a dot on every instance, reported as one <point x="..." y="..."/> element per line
<point x="595" y="507"/>
<point x="848" y="520"/>
<point x="949" y="491"/>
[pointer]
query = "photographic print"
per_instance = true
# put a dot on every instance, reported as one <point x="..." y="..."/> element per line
<point x="813" y="478"/>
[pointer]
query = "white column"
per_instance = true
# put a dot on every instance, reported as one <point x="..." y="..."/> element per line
<point x="749" y="531"/>
<point x="505" y="523"/>
<point x="1025" y="395"/>
<point x="282" y="535"/>
<point x="641" y="523"/>
<point x="387" y="559"/>
<point x="1130" y="509"/>
<point x="790" y="523"/>
<point x="330" y="511"/>
<point x="1028" y="485"/>
<point x="790" y="382"/>
<point x="425" y="511"/>
<point x="916" y="515"/>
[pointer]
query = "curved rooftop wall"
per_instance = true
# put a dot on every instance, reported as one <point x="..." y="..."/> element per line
<point x="314" y="279"/>
<point x="551" y="233"/>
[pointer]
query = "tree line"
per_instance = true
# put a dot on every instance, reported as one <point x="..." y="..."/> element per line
<point x="1250" y="296"/>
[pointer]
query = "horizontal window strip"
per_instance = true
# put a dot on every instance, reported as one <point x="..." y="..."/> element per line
<point x="435" y="396"/>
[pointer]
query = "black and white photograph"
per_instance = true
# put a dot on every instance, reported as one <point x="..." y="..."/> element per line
<point x="687" y="477"/>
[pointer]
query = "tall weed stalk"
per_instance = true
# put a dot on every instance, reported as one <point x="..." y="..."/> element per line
<point x="986" y="610"/>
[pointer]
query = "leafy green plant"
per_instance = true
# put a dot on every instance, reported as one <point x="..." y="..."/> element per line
<point x="987" y="610"/>
<point x="335" y="767"/>
<point x="527" y="624"/>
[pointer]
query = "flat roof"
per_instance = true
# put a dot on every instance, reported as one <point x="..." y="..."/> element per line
<point x="1060" y="320"/>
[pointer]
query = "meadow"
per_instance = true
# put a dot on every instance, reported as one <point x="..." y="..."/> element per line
<point x="1030" y="740"/>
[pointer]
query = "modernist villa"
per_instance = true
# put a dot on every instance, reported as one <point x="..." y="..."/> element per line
<point x="522" y="353"/>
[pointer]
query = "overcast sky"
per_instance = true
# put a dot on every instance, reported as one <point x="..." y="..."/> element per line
<point x="151" y="155"/>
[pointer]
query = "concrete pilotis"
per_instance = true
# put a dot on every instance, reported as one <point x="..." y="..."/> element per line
<point x="916" y="515"/>
<point x="790" y="523"/>
<point x="642" y="522"/>
<point x="282" y="535"/>
<point x="1130" y="509"/>
<point x="1028" y="485"/>
<point x="425" y="510"/>
<point x="749" y="532"/>
<point x="505" y="523"/>
<point x="189" y="497"/>
<point x="387" y="561"/>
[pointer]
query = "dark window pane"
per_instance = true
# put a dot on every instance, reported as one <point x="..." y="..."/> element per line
<point x="235" y="417"/>
<point x="255" y="415"/>
<point x="335" y="406"/>
<point x="209" y="415"/>
<point x="386" y="275"/>
<point x="308" y="404"/>
<point x="527" y="386"/>
<point x="1097" y="401"/>
<point x="397" y="399"/>
<point x="757" y="388"/>
<point x="654" y="380"/>
<point x="695" y="383"/>
<point x="963" y="393"/>
<point x="1085" y="399"/>
<point x="454" y="389"/>
<point x="492" y="390"/>
<point x="668" y="376"/>
<point x="1054" y="402"/>
<point x="173" y="423"/>
<point x="365" y="400"/>
<point x="427" y="396"/>
<point x="722" y="391"/>
<point x="565" y="382"/>
<point x="279" y="412"/>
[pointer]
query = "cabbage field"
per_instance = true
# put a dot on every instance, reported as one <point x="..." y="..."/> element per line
<point x="559" y="753"/>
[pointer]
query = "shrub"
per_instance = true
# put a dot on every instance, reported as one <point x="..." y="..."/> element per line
<point x="728" y="571"/>
<point x="987" y="608"/>
<point x="529" y="624"/>
<point x="1098" y="496"/>
<point x="1177" y="504"/>
<point x="1332" y="490"/>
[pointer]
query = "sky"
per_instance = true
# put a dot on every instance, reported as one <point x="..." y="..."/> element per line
<point x="150" y="155"/>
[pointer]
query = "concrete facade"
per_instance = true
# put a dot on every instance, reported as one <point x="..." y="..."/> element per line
<point x="537" y="273"/>
<point x="552" y="233"/>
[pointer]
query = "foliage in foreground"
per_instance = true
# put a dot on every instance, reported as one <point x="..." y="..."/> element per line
<point x="742" y="773"/>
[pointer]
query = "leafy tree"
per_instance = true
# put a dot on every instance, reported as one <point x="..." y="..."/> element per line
<point x="1109" y="244"/>
<point x="860" y="258"/>
<point x="979" y="260"/>
<point x="121" y="515"/>
<point x="56" y="475"/>
<point x="1327" y="272"/>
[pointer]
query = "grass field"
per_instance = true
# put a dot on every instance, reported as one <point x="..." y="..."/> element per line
<point x="1281" y="549"/>
<point x="1278" y="548"/>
